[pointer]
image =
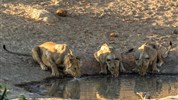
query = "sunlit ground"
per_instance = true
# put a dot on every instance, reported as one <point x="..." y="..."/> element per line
<point x="155" y="12"/>
<point x="133" y="18"/>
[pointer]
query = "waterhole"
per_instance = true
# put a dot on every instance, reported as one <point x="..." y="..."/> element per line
<point x="125" y="87"/>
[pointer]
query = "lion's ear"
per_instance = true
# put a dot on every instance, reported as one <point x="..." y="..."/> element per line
<point x="64" y="46"/>
<point x="108" y="59"/>
<point x="73" y="57"/>
<point x="70" y="56"/>
<point x="61" y="47"/>
<point x="116" y="59"/>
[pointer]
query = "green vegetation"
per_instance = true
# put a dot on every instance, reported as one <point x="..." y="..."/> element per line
<point x="4" y="93"/>
<point x="22" y="97"/>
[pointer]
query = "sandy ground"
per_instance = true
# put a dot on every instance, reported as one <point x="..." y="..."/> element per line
<point x="86" y="27"/>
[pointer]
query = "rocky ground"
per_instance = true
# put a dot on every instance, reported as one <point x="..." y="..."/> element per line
<point x="88" y="25"/>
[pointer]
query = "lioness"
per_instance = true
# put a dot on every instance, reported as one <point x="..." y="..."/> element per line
<point x="108" y="57"/>
<point x="53" y="55"/>
<point x="151" y="55"/>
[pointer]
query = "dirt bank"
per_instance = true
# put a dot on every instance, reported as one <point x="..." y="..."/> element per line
<point x="86" y="27"/>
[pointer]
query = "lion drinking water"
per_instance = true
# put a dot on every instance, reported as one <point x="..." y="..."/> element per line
<point x="151" y="56"/>
<point x="55" y="56"/>
<point x="108" y="57"/>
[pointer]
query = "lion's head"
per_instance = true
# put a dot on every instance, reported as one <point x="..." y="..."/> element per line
<point x="142" y="65"/>
<point x="142" y="59"/>
<point x="72" y="65"/>
<point x="113" y="64"/>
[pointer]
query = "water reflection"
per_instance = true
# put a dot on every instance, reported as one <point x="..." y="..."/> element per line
<point x="151" y="86"/>
<point x="61" y="88"/>
<point x="106" y="87"/>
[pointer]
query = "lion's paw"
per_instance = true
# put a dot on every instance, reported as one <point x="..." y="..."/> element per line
<point x="160" y="64"/>
<point x="43" y="67"/>
<point x="103" y="72"/>
<point x="55" y="73"/>
<point x="156" y="71"/>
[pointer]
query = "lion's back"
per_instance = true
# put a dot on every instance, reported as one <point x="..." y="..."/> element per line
<point x="50" y="46"/>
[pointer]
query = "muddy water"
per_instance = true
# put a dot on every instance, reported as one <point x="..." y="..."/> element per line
<point x="126" y="87"/>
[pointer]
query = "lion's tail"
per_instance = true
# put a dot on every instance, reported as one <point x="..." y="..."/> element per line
<point x="17" y="53"/>
<point x="96" y="57"/>
<point x="168" y="49"/>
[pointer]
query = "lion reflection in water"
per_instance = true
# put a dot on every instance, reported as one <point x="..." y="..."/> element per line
<point x="108" y="88"/>
<point x="67" y="90"/>
<point x="148" y="88"/>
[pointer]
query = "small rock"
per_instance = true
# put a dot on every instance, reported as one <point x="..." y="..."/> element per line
<point x="113" y="35"/>
<point x="62" y="13"/>
<point x="112" y="42"/>
<point x="55" y="1"/>
<point x="42" y="15"/>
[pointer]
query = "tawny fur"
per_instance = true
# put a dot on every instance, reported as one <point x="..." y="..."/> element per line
<point x="57" y="57"/>
<point x="151" y="55"/>
<point x="52" y="55"/>
<point x="109" y="58"/>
